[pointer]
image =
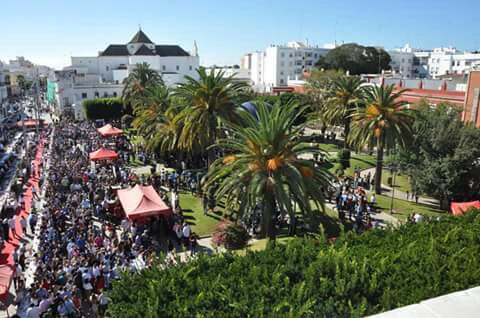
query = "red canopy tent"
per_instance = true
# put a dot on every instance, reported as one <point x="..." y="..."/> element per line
<point x="142" y="201"/>
<point x="6" y="276"/>
<point x="103" y="154"/>
<point x="30" y="123"/>
<point x="459" y="208"/>
<point x="108" y="130"/>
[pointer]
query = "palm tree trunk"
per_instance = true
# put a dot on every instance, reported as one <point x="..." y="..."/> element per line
<point x="268" y="226"/>
<point x="379" y="164"/>
<point x="346" y="132"/>
<point x="213" y="133"/>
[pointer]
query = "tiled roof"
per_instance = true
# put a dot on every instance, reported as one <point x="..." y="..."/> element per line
<point x="115" y="50"/>
<point x="170" y="50"/>
<point x="162" y="50"/>
<point x="140" y="37"/>
<point x="144" y="50"/>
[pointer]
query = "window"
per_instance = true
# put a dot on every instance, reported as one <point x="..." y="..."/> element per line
<point x="163" y="68"/>
<point x="84" y="95"/>
<point x="282" y="54"/>
<point x="315" y="55"/>
<point x="282" y="63"/>
<point x="105" y="94"/>
<point x="290" y="55"/>
<point x="281" y="72"/>
<point x="290" y="63"/>
<point x="107" y="68"/>
<point x="114" y="94"/>
<point x="282" y="81"/>
<point x="97" y="94"/>
<point x="190" y="68"/>
<point x="178" y="68"/>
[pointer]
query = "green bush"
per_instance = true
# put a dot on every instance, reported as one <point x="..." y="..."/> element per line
<point x="103" y="108"/>
<point x="344" y="158"/>
<point x="354" y="276"/>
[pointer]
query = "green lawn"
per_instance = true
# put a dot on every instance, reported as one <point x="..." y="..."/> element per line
<point x="403" y="208"/>
<point x="329" y="147"/>
<point x="357" y="161"/>
<point x="360" y="161"/>
<point x="402" y="182"/>
<point x="201" y="224"/>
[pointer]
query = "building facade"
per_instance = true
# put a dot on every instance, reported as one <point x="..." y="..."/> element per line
<point x="4" y="81"/>
<point x="278" y="64"/>
<point x="103" y="75"/>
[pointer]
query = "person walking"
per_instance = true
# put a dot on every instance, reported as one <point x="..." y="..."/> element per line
<point x="23" y="224"/>
<point x="32" y="221"/>
<point x="12" y="225"/>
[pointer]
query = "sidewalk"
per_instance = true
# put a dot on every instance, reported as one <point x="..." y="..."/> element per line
<point x="387" y="190"/>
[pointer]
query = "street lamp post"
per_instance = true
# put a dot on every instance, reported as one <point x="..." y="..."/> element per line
<point x="393" y="171"/>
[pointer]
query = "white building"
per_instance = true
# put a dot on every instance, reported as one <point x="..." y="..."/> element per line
<point x="280" y="63"/>
<point x="410" y="62"/>
<point x="448" y="61"/>
<point x="103" y="75"/>
<point x="3" y="86"/>
<point x="238" y="74"/>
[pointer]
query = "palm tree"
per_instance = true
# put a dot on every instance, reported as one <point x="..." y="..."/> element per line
<point x="155" y="119"/>
<point x="139" y="80"/>
<point x="263" y="167"/>
<point x="384" y="122"/>
<point x="346" y="93"/>
<point x="207" y="101"/>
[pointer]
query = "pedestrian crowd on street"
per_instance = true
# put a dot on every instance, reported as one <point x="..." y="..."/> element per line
<point x="85" y="242"/>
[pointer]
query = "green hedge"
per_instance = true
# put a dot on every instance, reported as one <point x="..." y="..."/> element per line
<point x="352" y="277"/>
<point x="103" y="108"/>
<point x="344" y="158"/>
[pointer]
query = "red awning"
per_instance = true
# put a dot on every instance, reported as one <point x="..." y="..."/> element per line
<point x="103" y="154"/>
<point x="142" y="201"/>
<point x="6" y="275"/>
<point x="108" y="130"/>
<point x="459" y="208"/>
<point x="29" y="123"/>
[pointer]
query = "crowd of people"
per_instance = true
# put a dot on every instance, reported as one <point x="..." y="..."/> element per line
<point x="84" y="242"/>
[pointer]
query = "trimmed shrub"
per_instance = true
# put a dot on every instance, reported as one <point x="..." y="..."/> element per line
<point x="344" y="158"/>
<point x="103" y="108"/>
<point x="230" y="235"/>
<point x="352" y="276"/>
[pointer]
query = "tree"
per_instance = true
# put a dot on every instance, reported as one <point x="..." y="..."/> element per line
<point x="155" y="119"/>
<point x="24" y="84"/>
<point x="103" y="108"/>
<point x="346" y="94"/>
<point x="263" y="168"/>
<point x="384" y="122"/>
<point x="140" y="79"/>
<point x="442" y="159"/>
<point x="205" y="102"/>
<point x="356" y="59"/>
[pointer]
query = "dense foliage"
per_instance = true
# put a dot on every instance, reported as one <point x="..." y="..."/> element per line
<point x="103" y="108"/>
<point x="356" y="59"/>
<point x="353" y="277"/>
<point x="443" y="157"/>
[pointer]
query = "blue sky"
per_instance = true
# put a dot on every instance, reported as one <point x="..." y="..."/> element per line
<point x="50" y="31"/>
